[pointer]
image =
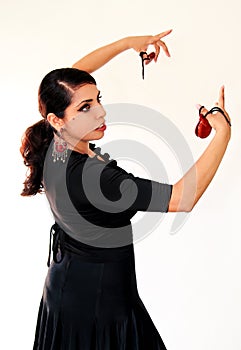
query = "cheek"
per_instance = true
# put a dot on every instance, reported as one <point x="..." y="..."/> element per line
<point x="81" y="126"/>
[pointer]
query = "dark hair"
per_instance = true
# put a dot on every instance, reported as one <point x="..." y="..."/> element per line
<point x="54" y="96"/>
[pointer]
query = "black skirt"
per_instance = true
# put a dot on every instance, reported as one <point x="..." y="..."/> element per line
<point x="90" y="301"/>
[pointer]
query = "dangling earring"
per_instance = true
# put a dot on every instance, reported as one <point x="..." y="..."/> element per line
<point x="60" y="148"/>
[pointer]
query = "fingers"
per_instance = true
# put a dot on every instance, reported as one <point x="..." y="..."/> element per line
<point x="157" y="51"/>
<point x="156" y="41"/>
<point x="211" y="116"/>
<point x="203" y="111"/>
<point x="161" y="35"/>
<point x="221" y="100"/>
<point x="164" y="47"/>
<point x="157" y="47"/>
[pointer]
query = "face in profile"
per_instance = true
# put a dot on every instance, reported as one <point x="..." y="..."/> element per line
<point x="85" y="116"/>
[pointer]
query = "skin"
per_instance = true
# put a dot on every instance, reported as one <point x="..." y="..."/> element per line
<point x="102" y="55"/>
<point x="81" y="119"/>
<point x="79" y="134"/>
<point x="188" y="190"/>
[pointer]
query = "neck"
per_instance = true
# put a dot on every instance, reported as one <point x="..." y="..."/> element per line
<point x="82" y="147"/>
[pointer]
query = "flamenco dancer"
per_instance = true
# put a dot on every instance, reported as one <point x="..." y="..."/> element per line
<point x="90" y="299"/>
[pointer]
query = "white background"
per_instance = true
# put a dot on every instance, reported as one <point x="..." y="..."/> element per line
<point x="190" y="282"/>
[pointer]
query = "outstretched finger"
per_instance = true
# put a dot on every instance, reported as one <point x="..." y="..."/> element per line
<point x="161" y="35"/>
<point x="221" y="100"/>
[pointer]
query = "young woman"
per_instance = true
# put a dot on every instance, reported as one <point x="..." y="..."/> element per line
<point x="90" y="298"/>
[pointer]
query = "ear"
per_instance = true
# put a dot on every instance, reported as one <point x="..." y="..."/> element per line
<point x="55" y="121"/>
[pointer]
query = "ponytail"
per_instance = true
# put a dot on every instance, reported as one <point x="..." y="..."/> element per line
<point x="54" y="96"/>
<point x="35" y="143"/>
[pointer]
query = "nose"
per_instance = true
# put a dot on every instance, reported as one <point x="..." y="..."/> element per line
<point x="100" y="112"/>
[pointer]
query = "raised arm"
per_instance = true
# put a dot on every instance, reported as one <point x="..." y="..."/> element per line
<point x="187" y="191"/>
<point x="102" y="55"/>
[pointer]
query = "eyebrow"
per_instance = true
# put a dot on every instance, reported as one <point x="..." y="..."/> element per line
<point x="89" y="100"/>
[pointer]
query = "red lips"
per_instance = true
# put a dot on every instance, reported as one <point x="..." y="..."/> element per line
<point x="103" y="128"/>
<point x="203" y="127"/>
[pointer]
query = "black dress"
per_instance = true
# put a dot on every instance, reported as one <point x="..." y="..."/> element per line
<point x="90" y="299"/>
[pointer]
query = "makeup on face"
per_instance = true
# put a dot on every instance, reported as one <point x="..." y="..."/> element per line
<point x="86" y="115"/>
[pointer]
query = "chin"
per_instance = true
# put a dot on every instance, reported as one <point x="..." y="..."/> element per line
<point x="97" y="137"/>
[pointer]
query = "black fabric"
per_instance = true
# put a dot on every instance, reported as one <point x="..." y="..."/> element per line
<point x="115" y="182"/>
<point x="90" y="299"/>
<point x="89" y="216"/>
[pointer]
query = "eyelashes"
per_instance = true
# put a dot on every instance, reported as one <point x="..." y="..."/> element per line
<point x="86" y="107"/>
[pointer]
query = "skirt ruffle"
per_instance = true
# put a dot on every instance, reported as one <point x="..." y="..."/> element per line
<point x="136" y="332"/>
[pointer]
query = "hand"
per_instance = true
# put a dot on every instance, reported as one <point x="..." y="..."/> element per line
<point x="141" y="43"/>
<point x="217" y="120"/>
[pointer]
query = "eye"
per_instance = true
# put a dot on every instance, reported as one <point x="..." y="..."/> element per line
<point x="85" y="108"/>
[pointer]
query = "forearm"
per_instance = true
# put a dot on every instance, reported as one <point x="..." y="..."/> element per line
<point x="190" y="188"/>
<point x="101" y="56"/>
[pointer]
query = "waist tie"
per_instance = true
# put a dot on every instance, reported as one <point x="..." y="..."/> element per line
<point x="58" y="243"/>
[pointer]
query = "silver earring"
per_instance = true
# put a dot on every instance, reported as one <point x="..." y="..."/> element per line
<point x="60" y="148"/>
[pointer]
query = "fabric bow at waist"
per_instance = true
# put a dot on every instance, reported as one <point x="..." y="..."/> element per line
<point x="63" y="242"/>
<point x="58" y="243"/>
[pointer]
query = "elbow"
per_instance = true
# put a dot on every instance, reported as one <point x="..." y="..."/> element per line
<point x="86" y="69"/>
<point x="186" y="205"/>
<point x="179" y="206"/>
<point x="76" y="66"/>
<point x="190" y="207"/>
<point x="180" y="202"/>
<point x="187" y="209"/>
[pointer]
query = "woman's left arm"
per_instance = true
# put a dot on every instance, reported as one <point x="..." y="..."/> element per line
<point x="104" y="54"/>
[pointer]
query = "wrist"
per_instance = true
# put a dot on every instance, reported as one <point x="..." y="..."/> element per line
<point x="121" y="44"/>
<point x="224" y="133"/>
<point x="128" y="42"/>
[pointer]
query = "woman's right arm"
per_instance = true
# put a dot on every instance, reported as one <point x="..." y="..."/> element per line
<point x="99" y="57"/>
<point x="188" y="190"/>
